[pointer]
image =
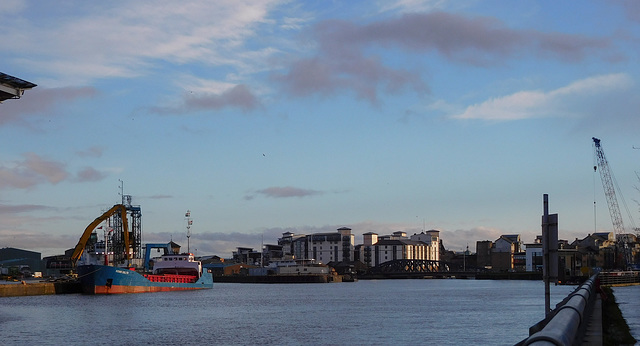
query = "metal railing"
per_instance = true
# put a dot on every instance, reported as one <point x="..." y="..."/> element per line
<point x="568" y="321"/>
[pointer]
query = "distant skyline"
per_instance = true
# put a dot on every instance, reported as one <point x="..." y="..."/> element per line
<point x="262" y="117"/>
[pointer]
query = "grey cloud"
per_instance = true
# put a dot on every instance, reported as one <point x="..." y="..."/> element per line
<point x="160" y="196"/>
<point x="341" y="62"/>
<point x="34" y="170"/>
<point x="24" y="208"/>
<point x="54" y="172"/>
<point x="90" y="152"/>
<point x="88" y="174"/>
<point x="631" y="8"/>
<point x="40" y="101"/>
<point x="287" y="191"/>
<point x="239" y="97"/>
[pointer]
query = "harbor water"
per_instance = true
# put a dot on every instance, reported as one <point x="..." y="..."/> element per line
<point x="378" y="312"/>
<point x="628" y="299"/>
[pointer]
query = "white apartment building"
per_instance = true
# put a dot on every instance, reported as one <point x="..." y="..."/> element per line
<point x="331" y="247"/>
<point x="379" y="249"/>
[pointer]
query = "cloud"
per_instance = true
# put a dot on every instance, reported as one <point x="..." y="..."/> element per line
<point x="94" y="152"/>
<point x="238" y="96"/>
<point x="31" y="171"/>
<point x="40" y="101"/>
<point x="34" y="170"/>
<point x="89" y="174"/>
<point x="47" y="243"/>
<point x="414" y="5"/>
<point x="287" y="192"/>
<point x="571" y="100"/>
<point x="24" y="208"/>
<point x="83" y="42"/>
<point x="342" y="63"/>
<point x="631" y="8"/>
<point x="160" y="197"/>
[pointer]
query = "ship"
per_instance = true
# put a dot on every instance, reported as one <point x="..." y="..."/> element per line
<point x="115" y="265"/>
<point x="171" y="272"/>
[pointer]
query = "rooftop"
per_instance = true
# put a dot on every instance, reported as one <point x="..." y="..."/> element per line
<point x="12" y="87"/>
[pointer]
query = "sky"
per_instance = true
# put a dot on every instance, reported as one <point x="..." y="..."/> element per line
<point x="262" y="117"/>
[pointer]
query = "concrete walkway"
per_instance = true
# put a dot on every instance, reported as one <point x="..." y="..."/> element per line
<point x="593" y="335"/>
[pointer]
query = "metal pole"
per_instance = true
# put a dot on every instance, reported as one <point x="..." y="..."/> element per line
<point x="545" y="254"/>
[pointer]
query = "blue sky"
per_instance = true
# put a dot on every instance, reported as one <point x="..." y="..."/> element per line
<point x="268" y="116"/>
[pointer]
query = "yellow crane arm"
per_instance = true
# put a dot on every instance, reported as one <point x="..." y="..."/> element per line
<point x="82" y="243"/>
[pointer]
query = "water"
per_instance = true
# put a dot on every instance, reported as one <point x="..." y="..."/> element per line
<point x="628" y="299"/>
<point x="379" y="312"/>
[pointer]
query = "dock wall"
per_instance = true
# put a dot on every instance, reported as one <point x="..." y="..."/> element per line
<point x="39" y="288"/>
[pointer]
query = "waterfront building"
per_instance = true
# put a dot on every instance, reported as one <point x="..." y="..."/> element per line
<point x="432" y="239"/>
<point x="376" y="249"/>
<point x="397" y="246"/>
<point x="508" y="243"/>
<point x="293" y="245"/>
<point x="483" y="253"/>
<point x="504" y="254"/>
<point x="323" y="247"/>
<point x="271" y="253"/>
<point x="534" y="256"/>
<point x="331" y="247"/>
<point x="364" y="252"/>
<point x="595" y="250"/>
<point x="24" y="261"/>
<point x="247" y="255"/>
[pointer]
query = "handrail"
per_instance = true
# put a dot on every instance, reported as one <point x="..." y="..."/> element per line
<point x="569" y="317"/>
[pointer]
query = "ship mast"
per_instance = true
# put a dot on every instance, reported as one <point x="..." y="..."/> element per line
<point x="187" y="216"/>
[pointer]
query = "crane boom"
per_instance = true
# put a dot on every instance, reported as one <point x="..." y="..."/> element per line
<point x="609" y="189"/>
<point x="82" y="243"/>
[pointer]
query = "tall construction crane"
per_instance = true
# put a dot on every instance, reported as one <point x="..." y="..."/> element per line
<point x="612" y="201"/>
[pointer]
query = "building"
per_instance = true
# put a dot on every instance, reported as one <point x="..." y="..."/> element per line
<point x="597" y="250"/>
<point x="293" y="245"/>
<point x="247" y="255"/>
<point x="24" y="261"/>
<point x="483" y="253"/>
<point x="323" y="247"/>
<point x="534" y="255"/>
<point x="13" y="87"/>
<point x="376" y="249"/>
<point x="331" y="247"/>
<point x="432" y="239"/>
<point x="504" y="254"/>
<point x="364" y="252"/>
<point x="271" y="253"/>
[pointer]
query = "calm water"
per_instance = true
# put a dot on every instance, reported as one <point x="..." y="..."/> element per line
<point x="628" y="299"/>
<point x="436" y="312"/>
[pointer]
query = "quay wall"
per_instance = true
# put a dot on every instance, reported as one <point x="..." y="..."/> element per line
<point x="272" y="279"/>
<point x="619" y="278"/>
<point x="39" y="288"/>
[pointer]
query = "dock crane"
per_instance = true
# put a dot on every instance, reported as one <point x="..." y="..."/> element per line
<point x="612" y="201"/>
<point x="118" y="208"/>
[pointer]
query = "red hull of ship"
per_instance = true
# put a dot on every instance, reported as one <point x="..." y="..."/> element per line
<point x="116" y="289"/>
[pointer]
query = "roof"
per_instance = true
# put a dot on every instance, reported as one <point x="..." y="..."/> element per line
<point x="12" y="87"/>
<point x="399" y="242"/>
<point x="512" y="238"/>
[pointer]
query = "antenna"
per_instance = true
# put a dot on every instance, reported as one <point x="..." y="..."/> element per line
<point x="121" y="193"/>
<point x="187" y="216"/>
